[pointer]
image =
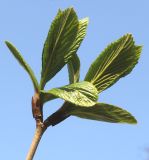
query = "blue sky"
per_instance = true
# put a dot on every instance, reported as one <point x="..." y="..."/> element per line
<point x="26" y="23"/>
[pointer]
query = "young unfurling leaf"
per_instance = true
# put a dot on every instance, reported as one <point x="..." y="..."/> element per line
<point x="20" y="59"/>
<point x="60" y="38"/>
<point x="116" y="61"/>
<point x="82" y="93"/>
<point x="74" y="62"/>
<point x="103" y="112"/>
<point x="74" y="69"/>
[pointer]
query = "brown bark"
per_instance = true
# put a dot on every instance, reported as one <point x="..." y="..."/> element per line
<point x="41" y="126"/>
<point x="37" y="137"/>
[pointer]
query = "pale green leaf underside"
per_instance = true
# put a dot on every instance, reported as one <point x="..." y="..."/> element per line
<point x="56" y="49"/>
<point x="82" y="94"/>
<point x="74" y="62"/>
<point x="104" y="112"/>
<point x="20" y="59"/>
<point x="116" y="61"/>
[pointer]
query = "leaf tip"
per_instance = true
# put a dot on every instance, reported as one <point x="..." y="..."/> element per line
<point x="7" y="43"/>
<point x="129" y="35"/>
<point x="71" y="9"/>
<point x="86" y="19"/>
<point x="134" y="121"/>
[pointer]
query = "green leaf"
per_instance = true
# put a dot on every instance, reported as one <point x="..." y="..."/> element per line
<point x="74" y="69"/>
<point x="74" y="62"/>
<point x="20" y="59"/>
<point x="60" y="38"/>
<point x="103" y="112"/>
<point x="82" y="28"/>
<point x="116" y="61"/>
<point x="83" y="94"/>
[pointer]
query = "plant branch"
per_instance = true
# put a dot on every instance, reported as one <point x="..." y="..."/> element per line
<point x="57" y="117"/>
<point x="38" y="115"/>
<point x="41" y="126"/>
<point x="37" y="137"/>
<point x="37" y="108"/>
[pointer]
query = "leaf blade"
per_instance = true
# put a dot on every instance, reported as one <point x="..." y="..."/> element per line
<point x="74" y="63"/>
<point x="116" y="61"/>
<point x="60" y="37"/>
<point x="74" y="69"/>
<point x="104" y="112"/>
<point x="23" y="63"/>
<point x="82" y="93"/>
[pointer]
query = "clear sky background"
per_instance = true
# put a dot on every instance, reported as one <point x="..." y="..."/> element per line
<point x="25" y="23"/>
